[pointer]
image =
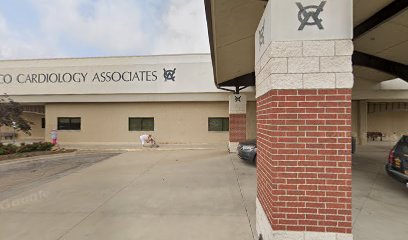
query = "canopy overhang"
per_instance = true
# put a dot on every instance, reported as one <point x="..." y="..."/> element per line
<point x="380" y="39"/>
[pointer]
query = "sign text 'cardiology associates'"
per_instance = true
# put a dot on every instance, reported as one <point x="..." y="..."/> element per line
<point x="79" y="77"/>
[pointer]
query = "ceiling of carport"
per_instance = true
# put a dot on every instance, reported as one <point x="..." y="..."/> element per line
<point x="234" y="22"/>
<point x="232" y="25"/>
<point x="388" y="40"/>
<point x="363" y="9"/>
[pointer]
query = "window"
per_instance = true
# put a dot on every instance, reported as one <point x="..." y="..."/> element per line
<point x="218" y="124"/>
<point x="141" y="124"/>
<point x="42" y="122"/>
<point x="66" y="123"/>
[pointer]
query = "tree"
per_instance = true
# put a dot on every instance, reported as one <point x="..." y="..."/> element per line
<point x="11" y="115"/>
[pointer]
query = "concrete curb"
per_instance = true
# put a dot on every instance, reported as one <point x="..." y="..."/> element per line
<point x="35" y="158"/>
<point x="142" y="149"/>
<point x="44" y="157"/>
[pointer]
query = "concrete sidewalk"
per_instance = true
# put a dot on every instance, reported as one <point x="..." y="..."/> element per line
<point x="200" y="194"/>
<point x="379" y="201"/>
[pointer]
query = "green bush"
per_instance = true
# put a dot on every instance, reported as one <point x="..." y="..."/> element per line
<point x="24" y="148"/>
<point x="39" y="146"/>
<point x="44" y="146"/>
<point x="9" y="148"/>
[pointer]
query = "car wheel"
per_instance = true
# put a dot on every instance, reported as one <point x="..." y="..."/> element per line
<point x="254" y="160"/>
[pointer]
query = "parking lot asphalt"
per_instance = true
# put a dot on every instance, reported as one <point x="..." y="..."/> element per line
<point x="21" y="174"/>
<point x="184" y="194"/>
<point x="191" y="194"/>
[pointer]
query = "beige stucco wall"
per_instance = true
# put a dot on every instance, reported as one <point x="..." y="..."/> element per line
<point x="251" y="120"/>
<point x="37" y="133"/>
<point x="388" y="123"/>
<point x="175" y="122"/>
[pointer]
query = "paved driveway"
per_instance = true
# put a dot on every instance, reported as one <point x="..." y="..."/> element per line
<point x="380" y="204"/>
<point x="184" y="194"/>
<point x="19" y="175"/>
<point x="192" y="194"/>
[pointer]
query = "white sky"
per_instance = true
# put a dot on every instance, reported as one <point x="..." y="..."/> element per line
<point x="88" y="28"/>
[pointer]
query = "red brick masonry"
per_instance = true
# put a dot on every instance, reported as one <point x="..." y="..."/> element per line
<point x="237" y="127"/>
<point x="304" y="159"/>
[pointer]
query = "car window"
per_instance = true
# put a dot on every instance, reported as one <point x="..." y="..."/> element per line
<point x="402" y="146"/>
<point x="404" y="139"/>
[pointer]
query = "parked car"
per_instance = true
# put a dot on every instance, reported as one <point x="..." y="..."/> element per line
<point x="397" y="165"/>
<point x="247" y="151"/>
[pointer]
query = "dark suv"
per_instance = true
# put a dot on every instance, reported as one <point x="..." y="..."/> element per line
<point x="397" y="165"/>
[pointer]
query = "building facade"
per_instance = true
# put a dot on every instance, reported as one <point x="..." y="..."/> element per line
<point x="116" y="99"/>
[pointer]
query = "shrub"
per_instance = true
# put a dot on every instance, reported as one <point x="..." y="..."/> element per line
<point x="39" y="146"/>
<point x="10" y="148"/>
<point x="24" y="148"/>
<point x="44" y="146"/>
<point x="7" y="149"/>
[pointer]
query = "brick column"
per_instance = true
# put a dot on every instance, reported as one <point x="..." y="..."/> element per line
<point x="303" y="133"/>
<point x="237" y="120"/>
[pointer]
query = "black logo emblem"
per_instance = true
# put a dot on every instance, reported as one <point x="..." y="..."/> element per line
<point x="169" y="75"/>
<point x="238" y="99"/>
<point x="261" y="35"/>
<point x="308" y="12"/>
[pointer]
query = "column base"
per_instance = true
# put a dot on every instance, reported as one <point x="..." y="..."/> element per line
<point x="363" y="139"/>
<point x="264" y="228"/>
<point x="232" y="147"/>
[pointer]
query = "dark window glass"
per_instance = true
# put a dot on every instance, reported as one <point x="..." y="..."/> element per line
<point x="218" y="124"/>
<point x="402" y="145"/>
<point x="141" y="124"/>
<point x="42" y="122"/>
<point x="65" y="123"/>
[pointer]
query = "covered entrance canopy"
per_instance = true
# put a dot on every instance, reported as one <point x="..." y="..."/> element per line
<point x="380" y="39"/>
<point x="304" y="89"/>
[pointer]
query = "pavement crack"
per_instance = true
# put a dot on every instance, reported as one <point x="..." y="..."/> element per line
<point x="242" y="196"/>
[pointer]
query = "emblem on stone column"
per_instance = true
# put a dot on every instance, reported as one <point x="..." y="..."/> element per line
<point x="169" y="75"/>
<point x="262" y="35"/>
<point x="309" y="15"/>
<point x="238" y="98"/>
